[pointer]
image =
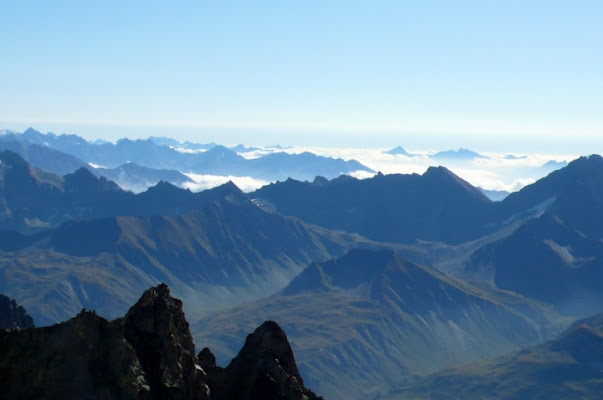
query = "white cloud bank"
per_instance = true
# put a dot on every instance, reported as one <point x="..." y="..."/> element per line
<point x="202" y="182"/>
<point x="497" y="171"/>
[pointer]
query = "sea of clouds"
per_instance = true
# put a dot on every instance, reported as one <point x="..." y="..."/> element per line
<point x="495" y="171"/>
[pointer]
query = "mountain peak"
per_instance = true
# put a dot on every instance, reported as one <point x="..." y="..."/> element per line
<point x="228" y="189"/>
<point x="164" y="186"/>
<point x="30" y="131"/>
<point x="266" y="366"/>
<point x="438" y="171"/>
<point x="442" y="175"/>
<point x="148" y="354"/>
<point x="84" y="180"/>
<point x="320" y="181"/>
<point x="11" y="158"/>
<point x="356" y="268"/>
<point x="267" y="338"/>
<point x="460" y="154"/>
<point x="399" y="150"/>
<point x="13" y="315"/>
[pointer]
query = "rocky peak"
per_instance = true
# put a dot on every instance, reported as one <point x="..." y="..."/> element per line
<point x="148" y="354"/>
<point x="12" y="315"/>
<point x="158" y="331"/>
<point x="265" y="368"/>
<point x="83" y="180"/>
<point x="268" y="342"/>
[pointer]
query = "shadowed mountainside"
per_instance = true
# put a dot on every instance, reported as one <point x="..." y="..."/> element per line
<point x="435" y="206"/>
<point x="226" y="252"/>
<point x="31" y="199"/>
<point x="558" y="256"/>
<point x="363" y="323"/>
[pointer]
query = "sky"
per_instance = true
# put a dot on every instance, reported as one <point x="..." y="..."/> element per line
<point x="488" y="75"/>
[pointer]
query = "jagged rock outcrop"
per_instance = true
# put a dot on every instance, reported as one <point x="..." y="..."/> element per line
<point x="264" y="369"/>
<point x="13" y="315"/>
<point x="85" y="357"/>
<point x="158" y="331"/>
<point x="148" y="354"/>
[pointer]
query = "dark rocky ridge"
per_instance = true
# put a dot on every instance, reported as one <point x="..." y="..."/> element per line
<point x="148" y="354"/>
<point x="12" y="315"/>
<point x="265" y="365"/>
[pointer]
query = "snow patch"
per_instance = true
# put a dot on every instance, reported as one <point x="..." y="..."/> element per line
<point x="96" y="166"/>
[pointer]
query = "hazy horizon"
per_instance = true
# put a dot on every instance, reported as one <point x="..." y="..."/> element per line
<point x="561" y="145"/>
<point x="513" y="76"/>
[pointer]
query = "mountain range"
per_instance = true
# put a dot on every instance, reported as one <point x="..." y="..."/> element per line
<point x="156" y="153"/>
<point x="460" y="154"/>
<point x="224" y="252"/>
<point x="378" y="282"/>
<point x="363" y="322"/>
<point x="31" y="199"/>
<point x="561" y="249"/>
<point x="435" y="206"/>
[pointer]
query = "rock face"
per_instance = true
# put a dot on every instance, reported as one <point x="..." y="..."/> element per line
<point x="264" y="369"/>
<point x="149" y="354"/>
<point x="12" y="315"/>
<point x="158" y="331"/>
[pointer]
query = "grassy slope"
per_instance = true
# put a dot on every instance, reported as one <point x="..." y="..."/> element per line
<point x="569" y="367"/>
<point x="361" y="340"/>
<point x="221" y="255"/>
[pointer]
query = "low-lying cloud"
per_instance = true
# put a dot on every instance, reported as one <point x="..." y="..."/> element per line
<point x="203" y="182"/>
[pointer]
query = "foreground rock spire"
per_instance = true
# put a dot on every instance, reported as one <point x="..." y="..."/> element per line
<point x="147" y="355"/>
<point x="265" y="368"/>
<point x="12" y="315"/>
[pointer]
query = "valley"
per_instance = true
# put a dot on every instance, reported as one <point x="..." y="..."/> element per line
<point x="383" y="285"/>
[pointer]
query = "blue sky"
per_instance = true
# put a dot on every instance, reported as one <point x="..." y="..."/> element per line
<point x="480" y="74"/>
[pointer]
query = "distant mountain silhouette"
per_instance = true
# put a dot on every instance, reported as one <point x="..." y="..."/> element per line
<point x="165" y="141"/>
<point x="156" y="153"/>
<point x="138" y="179"/>
<point x="363" y="322"/>
<point x="495" y="195"/>
<point x="515" y="157"/>
<point x="460" y="154"/>
<point x="568" y="367"/>
<point x="239" y="148"/>
<point x="43" y="157"/>
<point x="435" y="206"/>
<point x="399" y="150"/>
<point x="553" y="164"/>
<point x="31" y="199"/>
